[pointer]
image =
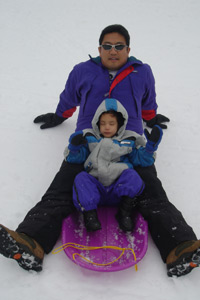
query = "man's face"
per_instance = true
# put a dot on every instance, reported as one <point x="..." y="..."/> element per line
<point x="113" y="59"/>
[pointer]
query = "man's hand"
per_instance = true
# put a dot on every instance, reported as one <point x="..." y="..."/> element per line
<point x="157" y="120"/>
<point x="49" y="120"/>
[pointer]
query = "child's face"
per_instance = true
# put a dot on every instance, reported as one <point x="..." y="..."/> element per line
<point x="108" y="125"/>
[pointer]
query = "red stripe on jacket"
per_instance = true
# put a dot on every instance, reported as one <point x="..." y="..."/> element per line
<point x="148" y="114"/>
<point x="68" y="113"/>
<point x="120" y="77"/>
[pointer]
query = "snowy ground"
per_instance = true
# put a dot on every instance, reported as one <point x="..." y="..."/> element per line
<point x="40" y="42"/>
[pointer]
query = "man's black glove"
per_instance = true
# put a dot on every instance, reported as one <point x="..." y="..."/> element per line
<point x="157" y="120"/>
<point x="49" y="120"/>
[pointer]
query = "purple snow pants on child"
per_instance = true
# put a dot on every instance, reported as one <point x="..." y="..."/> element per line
<point x="88" y="192"/>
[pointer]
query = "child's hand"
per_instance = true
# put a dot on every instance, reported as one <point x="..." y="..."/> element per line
<point x="78" y="139"/>
<point x="153" y="138"/>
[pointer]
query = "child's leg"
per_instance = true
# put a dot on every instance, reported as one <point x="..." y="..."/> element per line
<point x="86" y="196"/>
<point x="128" y="186"/>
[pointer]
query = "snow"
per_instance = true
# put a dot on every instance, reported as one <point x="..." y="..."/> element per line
<point x="41" y="41"/>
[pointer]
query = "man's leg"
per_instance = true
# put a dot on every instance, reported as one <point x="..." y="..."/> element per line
<point x="43" y="222"/>
<point x="167" y="226"/>
<point x="42" y="225"/>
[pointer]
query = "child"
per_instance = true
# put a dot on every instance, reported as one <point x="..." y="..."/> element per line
<point x="109" y="153"/>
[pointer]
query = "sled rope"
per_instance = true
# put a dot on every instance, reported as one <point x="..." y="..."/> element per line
<point x="88" y="248"/>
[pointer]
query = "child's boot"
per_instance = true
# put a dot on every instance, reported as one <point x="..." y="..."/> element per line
<point x="91" y="220"/>
<point x="124" y="214"/>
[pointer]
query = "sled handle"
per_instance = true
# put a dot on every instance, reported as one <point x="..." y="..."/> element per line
<point x="88" y="248"/>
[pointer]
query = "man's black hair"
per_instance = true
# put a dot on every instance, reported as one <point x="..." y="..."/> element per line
<point x="115" y="28"/>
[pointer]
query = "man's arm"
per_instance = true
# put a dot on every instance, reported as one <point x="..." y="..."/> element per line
<point x="149" y="105"/>
<point x="66" y="107"/>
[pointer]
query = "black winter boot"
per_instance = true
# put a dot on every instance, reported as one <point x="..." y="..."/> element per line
<point x="124" y="214"/>
<point x="183" y="259"/>
<point x="91" y="220"/>
<point x="22" y="248"/>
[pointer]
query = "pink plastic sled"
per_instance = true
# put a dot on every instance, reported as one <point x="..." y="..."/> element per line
<point x="106" y="250"/>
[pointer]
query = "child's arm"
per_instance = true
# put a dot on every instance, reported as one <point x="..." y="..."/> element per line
<point x="145" y="156"/>
<point x="77" y="150"/>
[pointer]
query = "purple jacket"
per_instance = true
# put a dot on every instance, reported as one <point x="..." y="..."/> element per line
<point x="88" y="85"/>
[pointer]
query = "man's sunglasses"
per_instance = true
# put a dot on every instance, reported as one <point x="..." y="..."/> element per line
<point x="118" y="47"/>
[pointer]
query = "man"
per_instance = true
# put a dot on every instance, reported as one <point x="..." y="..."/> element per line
<point x="112" y="74"/>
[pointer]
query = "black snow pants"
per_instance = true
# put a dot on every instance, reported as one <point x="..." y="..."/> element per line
<point x="166" y="224"/>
